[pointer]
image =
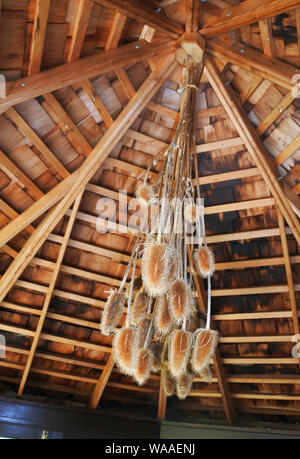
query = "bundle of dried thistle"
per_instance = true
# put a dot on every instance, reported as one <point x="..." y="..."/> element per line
<point x="162" y="332"/>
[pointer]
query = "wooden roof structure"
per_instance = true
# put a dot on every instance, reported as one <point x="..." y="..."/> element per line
<point x="92" y="93"/>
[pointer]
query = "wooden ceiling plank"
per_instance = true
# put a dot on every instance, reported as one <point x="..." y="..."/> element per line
<point x="41" y="13"/>
<point x="88" y="67"/>
<point x="192" y="8"/>
<point x="29" y="133"/>
<point x="49" y="294"/>
<point x="245" y="13"/>
<point x="141" y="13"/>
<point x="254" y="61"/>
<point x="257" y="151"/>
<point x="71" y="188"/>
<point x="83" y="13"/>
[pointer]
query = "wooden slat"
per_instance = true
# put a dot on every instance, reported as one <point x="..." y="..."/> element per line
<point x="141" y="13"/>
<point x="227" y="176"/>
<point x="219" y="145"/>
<point x="41" y="13"/>
<point x="83" y="175"/>
<point x="257" y="151"/>
<point x="88" y="67"/>
<point x="99" y="105"/>
<point x="83" y="13"/>
<point x="246" y="12"/>
<point x="48" y="297"/>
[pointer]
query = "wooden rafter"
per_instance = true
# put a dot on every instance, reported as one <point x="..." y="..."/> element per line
<point x="254" y="145"/>
<point x="88" y="67"/>
<point x="38" y="35"/>
<point x="254" y="61"/>
<point x="73" y="185"/>
<point x="245" y="13"/>
<point x="81" y="22"/>
<point x="192" y="15"/>
<point x="141" y="13"/>
<point x="48" y="297"/>
<point x="289" y="274"/>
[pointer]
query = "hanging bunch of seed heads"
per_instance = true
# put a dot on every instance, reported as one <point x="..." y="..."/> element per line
<point x="163" y="331"/>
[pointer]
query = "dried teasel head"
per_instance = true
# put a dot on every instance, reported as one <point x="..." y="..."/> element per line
<point x="168" y="383"/>
<point x="190" y="212"/>
<point x="205" y="343"/>
<point x="180" y="345"/>
<point x="143" y="367"/>
<point x="125" y="349"/>
<point x="156" y="349"/>
<point x="112" y="313"/>
<point x="145" y="194"/>
<point x="137" y="285"/>
<point x="139" y="307"/>
<point x="184" y="385"/>
<point x="204" y="261"/>
<point x="173" y="271"/>
<point x="162" y="318"/>
<point x="206" y="374"/>
<point x="143" y="330"/>
<point x="156" y="263"/>
<point x="181" y="304"/>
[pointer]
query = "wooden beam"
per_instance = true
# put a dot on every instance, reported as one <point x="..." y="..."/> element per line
<point x="116" y="30"/>
<point x="254" y="61"/>
<point x="288" y="151"/>
<point x="245" y="13"/>
<point x="41" y="13"/>
<point x="83" y="13"/>
<point x="265" y="27"/>
<point x="192" y="15"/>
<point x="48" y="297"/>
<point x="275" y="113"/>
<point x="88" y="67"/>
<point x="30" y="134"/>
<point x="32" y="189"/>
<point x="257" y="151"/>
<point x="162" y="402"/>
<point x="289" y="274"/>
<point x="66" y="124"/>
<point x="101" y="384"/>
<point x="70" y="188"/>
<point x="141" y="13"/>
